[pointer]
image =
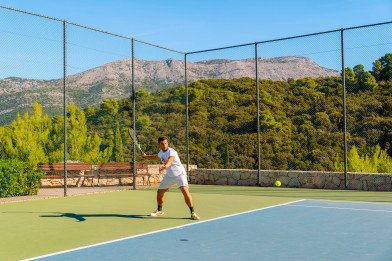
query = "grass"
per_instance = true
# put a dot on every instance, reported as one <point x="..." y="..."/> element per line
<point x="34" y="228"/>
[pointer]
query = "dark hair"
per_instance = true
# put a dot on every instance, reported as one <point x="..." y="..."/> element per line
<point x="161" y="139"/>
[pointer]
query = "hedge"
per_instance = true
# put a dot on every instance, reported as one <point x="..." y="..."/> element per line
<point x="19" y="178"/>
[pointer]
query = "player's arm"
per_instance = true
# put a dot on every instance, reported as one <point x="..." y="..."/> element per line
<point x="151" y="157"/>
<point x="168" y="163"/>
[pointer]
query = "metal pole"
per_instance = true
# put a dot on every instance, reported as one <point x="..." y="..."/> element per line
<point x="344" y="111"/>
<point x="65" y="107"/>
<point x="258" y="117"/>
<point x="133" y="113"/>
<point x="187" y="119"/>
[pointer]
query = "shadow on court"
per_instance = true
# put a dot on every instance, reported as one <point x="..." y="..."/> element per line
<point x="82" y="217"/>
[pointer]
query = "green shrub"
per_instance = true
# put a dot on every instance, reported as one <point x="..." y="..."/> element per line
<point x="19" y="178"/>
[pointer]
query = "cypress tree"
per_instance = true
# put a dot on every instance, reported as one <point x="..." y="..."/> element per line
<point x="118" y="154"/>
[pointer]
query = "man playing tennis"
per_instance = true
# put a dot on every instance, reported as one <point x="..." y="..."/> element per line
<point x="175" y="173"/>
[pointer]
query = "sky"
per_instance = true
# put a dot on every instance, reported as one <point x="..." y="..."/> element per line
<point x="188" y="26"/>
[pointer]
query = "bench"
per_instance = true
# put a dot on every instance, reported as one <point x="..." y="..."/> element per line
<point x="51" y="167"/>
<point x="125" y="169"/>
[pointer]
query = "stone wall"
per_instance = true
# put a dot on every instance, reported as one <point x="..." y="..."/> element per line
<point x="293" y="179"/>
<point x="153" y="170"/>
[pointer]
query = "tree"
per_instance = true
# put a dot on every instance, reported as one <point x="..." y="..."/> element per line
<point x="40" y="125"/>
<point x="386" y="64"/>
<point x="93" y="153"/>
<point x="76" y="133"/>
<point x="90" y="113"/>
<point x="377" y="68"/>
<point x="108" y="111"/>
<point x="306" y="82"/>
<point x="142" y="95"/>
<point x="267" y="122"/>
<point x="109" y="107"/>
<point x="56" y="140"/>
<point x="351" y="81"/>
<point x="367" y="82"/>
<point x="7" y="149"/>
<point x="143" y="122"/>
<point x="118" y="154"/>
<point x="360" y="80"/>
<point x="28" y="136"/>
<point x="358" y="70"/>
<point x="322" y="121"/>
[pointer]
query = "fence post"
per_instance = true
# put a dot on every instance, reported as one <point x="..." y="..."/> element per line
<point x="65" y="104"/>
<point x="344" y="110"/>
<point x="258" y="118"/>
<point x="187" y="118"/>
<point x="133" y="113"/>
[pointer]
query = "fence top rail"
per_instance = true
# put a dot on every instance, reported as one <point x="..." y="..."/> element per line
<point x="291" y="37"/>
<point x="30" y="13"/>
<point x="159" y="46"/>
<point x="101" y="31"/>
<point x="83" y="26"/>
<point x="195" y="52"/>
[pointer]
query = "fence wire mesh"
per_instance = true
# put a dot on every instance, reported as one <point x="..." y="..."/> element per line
<point x="31" y="94"/>
<point x="301" y="118"/>
<point x="222" y="108"/>
<point x="98" y="87"/>
<point x="160" y="99"/>
<point x="368" y="84"/>
<point x="301" y="103"/>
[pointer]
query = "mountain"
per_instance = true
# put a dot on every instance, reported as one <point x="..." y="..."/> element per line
<point x="113" y="80"/>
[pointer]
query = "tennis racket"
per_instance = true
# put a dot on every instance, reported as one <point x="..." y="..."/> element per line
<point x="132" y="133"/>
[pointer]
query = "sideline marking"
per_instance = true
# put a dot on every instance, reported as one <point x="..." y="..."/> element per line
<point x="359" y="202"/>
<point x="357" y="209"/>
<point x="158" y="231"/>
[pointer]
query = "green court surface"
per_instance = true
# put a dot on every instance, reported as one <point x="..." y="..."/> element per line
<point x="39" y="227"/>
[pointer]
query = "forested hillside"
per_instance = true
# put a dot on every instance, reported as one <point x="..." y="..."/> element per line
<point x="301" y="124"/>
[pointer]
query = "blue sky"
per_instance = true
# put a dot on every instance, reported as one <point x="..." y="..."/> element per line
<point x="189" y="26"/>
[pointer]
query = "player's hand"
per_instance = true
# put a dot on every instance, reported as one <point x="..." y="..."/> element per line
<point x="144" y="155"/>
<point x="162" y="167"/>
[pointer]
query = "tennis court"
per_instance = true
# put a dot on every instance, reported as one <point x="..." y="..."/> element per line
<point x="237" y="223"/>
<point x="301" y="230"/>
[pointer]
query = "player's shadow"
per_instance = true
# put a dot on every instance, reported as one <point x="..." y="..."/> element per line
<point x="82" y="217"/>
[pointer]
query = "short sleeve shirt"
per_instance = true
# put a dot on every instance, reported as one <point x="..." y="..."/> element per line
<point x="176" y="168"/>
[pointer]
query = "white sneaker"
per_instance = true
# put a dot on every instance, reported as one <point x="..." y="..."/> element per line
<point x="195" y="216"/>
<point x="157" y="213"/>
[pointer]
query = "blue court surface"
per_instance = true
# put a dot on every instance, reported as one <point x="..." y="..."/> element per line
<point x="300" y="230"/>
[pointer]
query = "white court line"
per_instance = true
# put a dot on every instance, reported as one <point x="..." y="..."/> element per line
<point x="162" y="230"/>
<point x="346" y="201"/>
<point x="357" y="209"/>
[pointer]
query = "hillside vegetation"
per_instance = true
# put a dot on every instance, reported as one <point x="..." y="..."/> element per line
<point x="301" y="123"/>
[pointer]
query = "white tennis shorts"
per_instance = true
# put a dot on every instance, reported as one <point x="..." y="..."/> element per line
<point x="167" y="182"/>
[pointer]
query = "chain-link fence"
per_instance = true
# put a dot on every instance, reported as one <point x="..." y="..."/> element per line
<point x="31" y="93"/>
<point x="300" y="102"/>
<point x="369" y="83"/>
<point x="271" y="105"/>
<point x="159" y="99"/>
<point x="222" y="108"/>
<point x="98" y="87"/>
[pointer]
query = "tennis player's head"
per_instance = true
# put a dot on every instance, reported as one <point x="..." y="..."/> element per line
<point x="163" y="143"/>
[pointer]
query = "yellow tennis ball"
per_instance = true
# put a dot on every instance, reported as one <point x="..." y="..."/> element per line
<point x="278" y="183"/>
